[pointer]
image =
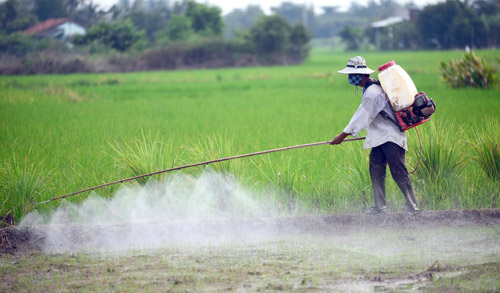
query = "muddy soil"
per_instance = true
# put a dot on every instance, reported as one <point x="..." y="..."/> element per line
<point x="442" y="251"/>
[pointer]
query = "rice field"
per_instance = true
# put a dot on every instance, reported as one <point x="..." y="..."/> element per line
<point x="62" y="133"/>
<point x="266" y="223"/>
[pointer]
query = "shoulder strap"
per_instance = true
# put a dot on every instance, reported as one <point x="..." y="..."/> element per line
<point x="390" y="117"/>
<point x="384" y="114"/>
<point x="369" y="82"/>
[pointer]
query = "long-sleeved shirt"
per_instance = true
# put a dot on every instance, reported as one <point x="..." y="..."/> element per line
<point x="379" y="129"/>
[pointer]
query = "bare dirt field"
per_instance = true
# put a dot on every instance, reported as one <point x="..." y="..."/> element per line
<point x="432" y="251"/>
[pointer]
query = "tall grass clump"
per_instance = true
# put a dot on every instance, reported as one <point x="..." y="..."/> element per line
<point x="356" y="175"/>
<point x="485" y="146"/>
<point x="438" y="176"/>
<point x="215" y="147"/>
<point x="486" y="154"/>
<point x="22" y="185"/>
<point x="284" y="175"/>
<point x="147" y="154"/>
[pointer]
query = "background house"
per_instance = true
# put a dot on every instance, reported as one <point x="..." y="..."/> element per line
<point x="57" y="28"/>
<point x="385" y="27"/>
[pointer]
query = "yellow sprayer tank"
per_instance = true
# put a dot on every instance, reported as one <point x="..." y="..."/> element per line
<point x="397" y="85"/>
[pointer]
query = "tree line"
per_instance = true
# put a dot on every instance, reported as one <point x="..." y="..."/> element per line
<point x="151" y="26"/>
<point x="446" y="25"/>
<point x="185" y="32"/>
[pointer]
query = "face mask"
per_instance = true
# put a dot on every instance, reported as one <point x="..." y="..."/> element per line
<point x="355" y="79"/>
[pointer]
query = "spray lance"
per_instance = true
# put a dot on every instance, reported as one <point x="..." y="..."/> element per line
<point x="194" y="165"/>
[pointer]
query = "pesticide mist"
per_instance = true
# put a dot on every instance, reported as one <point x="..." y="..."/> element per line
<point x="213" y="225"/>
<point x="182" y="209"/>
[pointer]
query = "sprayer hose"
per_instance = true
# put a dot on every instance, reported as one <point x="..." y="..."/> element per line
<point x="420" y="152"/>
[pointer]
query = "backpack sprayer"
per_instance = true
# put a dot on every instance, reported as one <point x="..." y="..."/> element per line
<point x="410" y="107"/>
<point x="194" y="165"/>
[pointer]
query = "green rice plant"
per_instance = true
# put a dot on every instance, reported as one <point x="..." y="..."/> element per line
<point x="22" y="185"/>
<point x="442" y="154"/>
<point x="469" y="71"/>
<point x="215" y="147"/>
<point x="442" y="151"/>
<point x="357" y="175"/>
<point x="145" y="155"/>
<point x="485" y="146"/>
<point x="285" y="175"/>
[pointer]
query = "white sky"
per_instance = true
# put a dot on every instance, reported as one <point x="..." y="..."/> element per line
<point x="228" y="5"/>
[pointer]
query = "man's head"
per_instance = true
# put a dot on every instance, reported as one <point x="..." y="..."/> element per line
<point x="357" y="71"/>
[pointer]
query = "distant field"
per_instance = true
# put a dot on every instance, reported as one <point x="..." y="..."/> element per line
<point x="69" y="125"/>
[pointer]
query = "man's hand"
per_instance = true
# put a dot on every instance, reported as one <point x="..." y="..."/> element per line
<point x="339" y="138"/>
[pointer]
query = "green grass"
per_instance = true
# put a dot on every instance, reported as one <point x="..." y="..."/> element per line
<point x="213" y="147"/>
<point x="146" y="155"/>
<point x="72" y="124"/>
<point x="485" y="146"/>
<point x="22" y="184"/>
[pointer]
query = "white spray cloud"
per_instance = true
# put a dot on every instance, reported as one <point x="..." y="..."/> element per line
<point x="181" y="209"/>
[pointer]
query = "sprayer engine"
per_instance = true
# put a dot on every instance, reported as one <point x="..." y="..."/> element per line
<point x="418" y="113"/>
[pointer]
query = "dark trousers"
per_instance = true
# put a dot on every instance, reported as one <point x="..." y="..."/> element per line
<point x="393" y="155"/>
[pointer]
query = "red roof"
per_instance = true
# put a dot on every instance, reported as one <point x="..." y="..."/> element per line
<point x="46" y="25"/>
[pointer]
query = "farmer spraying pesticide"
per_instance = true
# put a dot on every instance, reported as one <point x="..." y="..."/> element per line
<point x="387" y="142"/>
